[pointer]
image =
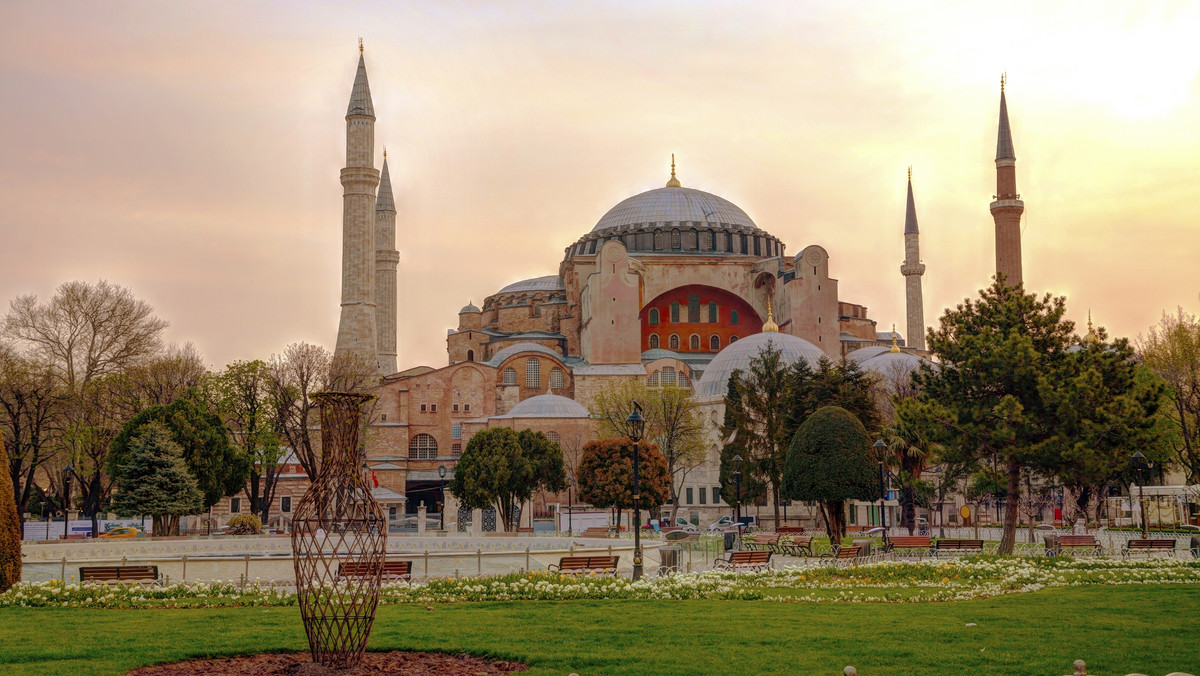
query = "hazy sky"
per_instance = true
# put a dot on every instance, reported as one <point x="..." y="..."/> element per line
<point x="191" y="151"/>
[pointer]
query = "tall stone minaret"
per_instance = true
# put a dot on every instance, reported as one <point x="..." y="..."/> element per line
<point x="1007" y="206"/>
<point x="386" y="258"/>
<point x="912" y="269"/>
<point x="356" y="330"/>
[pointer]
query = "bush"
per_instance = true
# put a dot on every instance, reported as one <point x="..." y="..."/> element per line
<point x="245" y="524"/>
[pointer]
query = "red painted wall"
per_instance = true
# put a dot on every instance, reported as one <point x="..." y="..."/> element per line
<point x="749" y="323"/>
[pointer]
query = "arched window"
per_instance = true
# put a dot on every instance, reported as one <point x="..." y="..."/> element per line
<point x="554" y="438"/>
<point x="556" y="378"/>
<point x="675" y="312"/>
<point x="732" y="340"/>
<point x="653" y="341"/>
<point x="675" y="240"/>
<point x="712" y="313"/>
<point x="684" y="381"/>
<point x="533" y="373"/>
<point x="694" y="343"/>
<point x="693" y="308"/>
<point x="654" y="316"/>
<point x="470" y="355"/>
<point x="510" y="376"/>
<point x="733" y="319"/>
<point x="673" y="341"/>
<point x="422" y="447"/>
<point x="668" y="376"/>
<point x="653" y="381"/>
<point x="714" y="343"/>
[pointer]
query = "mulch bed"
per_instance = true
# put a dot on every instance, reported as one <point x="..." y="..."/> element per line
<point x="300" y="664"/>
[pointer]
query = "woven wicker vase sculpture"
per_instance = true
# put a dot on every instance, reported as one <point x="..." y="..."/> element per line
<point x="338" y="541"/>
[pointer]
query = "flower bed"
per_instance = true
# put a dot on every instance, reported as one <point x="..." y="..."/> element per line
<point x="966" y="578"/>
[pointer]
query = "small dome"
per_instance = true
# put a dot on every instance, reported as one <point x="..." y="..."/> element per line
<point x="469" y="308"/>
<point x="864" y="353"/>
<point x="737" y="356"/>
<point x="548" y="406"/>
<point x="518" y="348"/>
<point x="674" y="205"/>
<point x="889" y="360"/>
<point x="547" y="283"/>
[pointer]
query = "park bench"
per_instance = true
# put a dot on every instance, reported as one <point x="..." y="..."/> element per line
<point x="1150" y="546"/>
<point x="784" y="530"/>
<point x="577" y="565"/>
<point x="797" y="545"/>
<point x="106" y="574"/>
<point x="601" y="532"/>
<point x="918" y="543"/>
<point x="391" y="570"/>
<point x="957" y="546"/>
<point x="745" y="560"/>
<point x="767" y="542"/>
<point x="843" y="554"/>
<point x="1080" y="541"/>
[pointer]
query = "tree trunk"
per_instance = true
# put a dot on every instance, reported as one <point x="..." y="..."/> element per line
<point x="909" y="508"/>
<point x="1011" y="507"/>
<point x="775" y="499"/>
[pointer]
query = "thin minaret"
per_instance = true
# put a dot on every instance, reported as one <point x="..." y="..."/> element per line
<point x="356" y="330"/>
<point x="386" y="259"/>
<point x="912" y="268"/>
<point x="1007" y="206"/>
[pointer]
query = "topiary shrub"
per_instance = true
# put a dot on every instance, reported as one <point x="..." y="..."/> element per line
<point x="10" y="529"/>
<point x="244" y="524"/>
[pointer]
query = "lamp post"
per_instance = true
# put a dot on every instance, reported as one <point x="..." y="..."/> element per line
<point x="66" y="481"/>
<point x="737" y="483"/>
<point x="880" y="449"/>
<point x="1139" y="464"/>
<point x="636" y="425"/>
<point x="442" y="476"/>
<point x="570" y="504"/>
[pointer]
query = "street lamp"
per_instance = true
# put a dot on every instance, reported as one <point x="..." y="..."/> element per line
<point x="1139" y="464"/>
<point x="737" y="482"/>
<point x="570" y="501"/>
<point x="66" y="480"/>
<point x="636" y="425"/>
<point x="880" y="449"/>
<point x="442" y="476"/>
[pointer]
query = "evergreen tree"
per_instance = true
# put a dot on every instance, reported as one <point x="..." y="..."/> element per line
<point x="829" y="463"/>
<point x="10" y="528"/>
<point x="153" y="480"/>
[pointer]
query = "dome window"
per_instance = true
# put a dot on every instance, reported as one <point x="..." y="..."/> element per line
<point x="675" y="243"/>
<point x="706" y="241"/>
<point x="668" y="376"/>
<point x="658" y="240"/>
<point x="653" y="380"/>
<point x="533" y="373"/>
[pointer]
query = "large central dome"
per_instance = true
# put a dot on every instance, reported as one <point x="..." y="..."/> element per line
<point x="674" y="205"/>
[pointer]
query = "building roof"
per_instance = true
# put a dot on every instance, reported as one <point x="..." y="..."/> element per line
<point x="547" y="406"/>
<point x="547" y="283"/>
<point x="674" y="205"/>
<point x="511" y="350"/>
<point x="864" y="353"/>
<point x="910" y="211"/>
<point x="737" y="356"/>
<point x="469" y="308"/>
<point x="360" y="95"/>
<point x="384" y="201"/>
<point x="1004" y="142"/>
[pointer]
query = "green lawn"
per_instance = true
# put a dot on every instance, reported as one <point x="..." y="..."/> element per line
<point x="1150" y="629"/>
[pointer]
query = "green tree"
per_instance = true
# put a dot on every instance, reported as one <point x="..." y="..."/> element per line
<point x="242" y="392"/>
<point x="546" y="458"/>
<point x="842" y="383"/>
<point x="496" y="468"/>
<point x="673" y="422"/>
<point x="751" y="488"/>
<point x="152" y="479"/>
<point x="10" y="529"/>
<point x="829" y="463"/>
<point x="217" y="466"/>
<point x="912" y="443"/>
<point x="606" y="474"/>
<point x="1171" y="349"/>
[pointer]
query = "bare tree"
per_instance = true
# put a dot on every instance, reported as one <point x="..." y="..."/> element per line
<point x="161" y="379"/>
<point x="293" y="377"/>
<point x="30" y="403"/>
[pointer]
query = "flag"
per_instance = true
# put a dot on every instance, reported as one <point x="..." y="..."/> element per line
<point x="374" y="480"/>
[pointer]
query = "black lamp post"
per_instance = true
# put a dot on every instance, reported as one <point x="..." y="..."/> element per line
<point x="442" y="476"/>
<point x="880" y="449"/>
<point x="66" y="481"/>
<point x="737" y="483"/>
<point x="1139" y="464"/>
<point x="570" y="503"/>
<point x="636" y="425"/>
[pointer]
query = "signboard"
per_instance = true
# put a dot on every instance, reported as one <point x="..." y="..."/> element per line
<point x="964" y="512"/>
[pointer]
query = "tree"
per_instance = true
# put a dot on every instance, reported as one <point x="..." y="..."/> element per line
<point x="546" y="458"/>
<point x="1172" y="351"/>
<point x="10" y="530"/>
<point x="673" y="422"/>
<point x="30" y="405"/>
<point x="153" y="480"/>
<point x="750" y="488"/>
<point x="911" y="441"/>
<point x="842" y="383"/>
<point x="160" y="379"/>
<point x="494" y="469"/>
<point x="606" y="474"/>
<point x="217" y="467"/>
<point x="294" y="376"/>
<point x="242" y="392"/>
<point x="829" y="463"/>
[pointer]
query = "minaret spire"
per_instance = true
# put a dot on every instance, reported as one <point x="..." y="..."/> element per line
<point x="386" y="260"/>
<point x="1007" y="206"/>
<point x="912" y="268"/>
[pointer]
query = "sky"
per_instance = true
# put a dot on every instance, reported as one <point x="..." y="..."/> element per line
<point x="191" y="151"/>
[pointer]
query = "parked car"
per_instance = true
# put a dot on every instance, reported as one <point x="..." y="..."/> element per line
<point x="121" y="532"/>
<point x="721" y="523"/>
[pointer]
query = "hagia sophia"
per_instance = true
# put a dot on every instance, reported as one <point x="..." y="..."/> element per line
<point x="673" y="286"/>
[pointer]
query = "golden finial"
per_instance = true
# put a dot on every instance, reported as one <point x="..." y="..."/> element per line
<point x="770" y="325"/>
<point x="360" y="46"/>
<point x="385" y="152"/>
<point x="1003" y="79"/>
<point x="895" y="347"/>
<point x="674" y="182"/>
<point x="910" y="173"/>
<point x="1091" y="337"/>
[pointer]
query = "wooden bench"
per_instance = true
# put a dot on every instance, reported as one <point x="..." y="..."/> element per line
<point x="596" y="532"/>
<point x="784" y="530"/>
<point x="919" y="543"/>
<point x="843" y="554"/>
<point x="797" y="545"/>
<point x="753" y="559"/>
<point x="768" y="542"/>
<point x="1149" y="546"/>
<point x="1083" y="541"/>
<point x="106" y="574"/>
<point x="957" y="546"/>
<point x="577" y="565"/>
<point x="391" y="570"/>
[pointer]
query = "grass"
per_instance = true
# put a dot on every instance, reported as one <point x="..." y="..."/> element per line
<point x="1116" y="629"/>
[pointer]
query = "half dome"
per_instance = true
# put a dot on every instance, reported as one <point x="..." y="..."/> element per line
<point x="548" y="406"/>
<point x="674" y="205"/>
<point x="737" y="356"/>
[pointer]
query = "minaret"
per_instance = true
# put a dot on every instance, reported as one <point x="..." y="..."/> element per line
<point x="356" y="330"/>
<point x="1007" y="207"/>
<point x="386" y="258"/>
<point x="912" y="269"/>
